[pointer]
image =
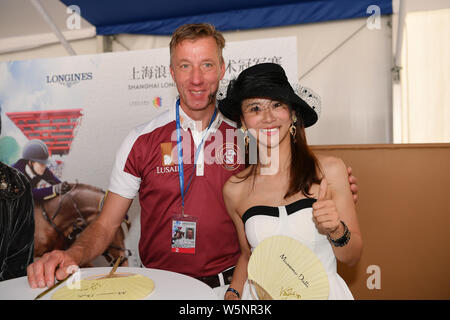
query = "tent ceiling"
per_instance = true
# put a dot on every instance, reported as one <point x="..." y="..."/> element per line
<point x="162" y="17"/>
<point x="107" y="12"/>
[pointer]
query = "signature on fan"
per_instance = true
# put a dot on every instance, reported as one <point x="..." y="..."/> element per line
<point x="289" y="293"/>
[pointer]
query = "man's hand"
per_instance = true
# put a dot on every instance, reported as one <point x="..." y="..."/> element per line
<point x="353" y="184"/>
<point x="42" y="272"/>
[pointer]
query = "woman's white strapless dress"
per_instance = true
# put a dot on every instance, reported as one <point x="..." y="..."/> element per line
<point x="295" y="221"/>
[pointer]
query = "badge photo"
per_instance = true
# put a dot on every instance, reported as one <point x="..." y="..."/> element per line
<point x="184" y="234"/>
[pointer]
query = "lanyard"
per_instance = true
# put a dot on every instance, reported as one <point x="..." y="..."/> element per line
<point x="180" y="153"/>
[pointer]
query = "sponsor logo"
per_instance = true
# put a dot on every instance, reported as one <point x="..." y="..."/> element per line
<point x="160" y="170"/>
<point x="228" y="156"/>
<point x="69" y="79"/>
<point x="157" y="102"/>
<point x="167" y="163"/>
<point x="166" y="154"/>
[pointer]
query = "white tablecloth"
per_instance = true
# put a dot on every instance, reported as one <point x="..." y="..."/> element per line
<point x="168" y="285"/>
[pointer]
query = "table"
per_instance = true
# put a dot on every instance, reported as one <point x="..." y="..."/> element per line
<point x="168" y="285"/>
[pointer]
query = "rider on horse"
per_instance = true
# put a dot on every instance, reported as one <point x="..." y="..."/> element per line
<point x="33" y="164"/>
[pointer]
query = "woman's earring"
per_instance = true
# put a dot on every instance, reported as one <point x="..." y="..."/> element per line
<point x="246" y="137"/>
<point x="293" y="129"/>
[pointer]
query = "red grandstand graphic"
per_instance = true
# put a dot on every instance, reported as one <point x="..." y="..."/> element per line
<point x="54" y="127"/>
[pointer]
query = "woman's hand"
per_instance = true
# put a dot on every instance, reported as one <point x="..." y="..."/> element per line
<point x="325" y="214"/>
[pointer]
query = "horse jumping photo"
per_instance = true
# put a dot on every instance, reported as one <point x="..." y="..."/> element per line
<point x="58" y="222"/>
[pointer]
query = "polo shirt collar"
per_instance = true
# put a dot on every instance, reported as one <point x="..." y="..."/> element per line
<point x="188" y="123"/>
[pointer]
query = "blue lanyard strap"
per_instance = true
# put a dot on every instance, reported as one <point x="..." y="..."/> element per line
<point x="180" y="153"/>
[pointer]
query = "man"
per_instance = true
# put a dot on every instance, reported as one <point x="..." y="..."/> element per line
<point x="16" y="223"/>
<point x="173" y="197"/>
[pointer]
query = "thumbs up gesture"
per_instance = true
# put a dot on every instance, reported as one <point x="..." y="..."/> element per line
<point x="325" y="213"/>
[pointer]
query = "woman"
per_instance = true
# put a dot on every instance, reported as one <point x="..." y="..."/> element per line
<point x="309" y="194"/>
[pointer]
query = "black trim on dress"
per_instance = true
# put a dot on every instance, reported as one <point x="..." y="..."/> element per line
<point x="273" y="211"/>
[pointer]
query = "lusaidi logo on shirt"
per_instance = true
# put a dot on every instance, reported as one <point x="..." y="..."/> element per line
<point x="167" y="163"/>
<point x="166" y="152"/>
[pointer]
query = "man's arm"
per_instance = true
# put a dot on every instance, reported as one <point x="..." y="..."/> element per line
<point x="90" y="244"/>
<point x="100" y="233"/>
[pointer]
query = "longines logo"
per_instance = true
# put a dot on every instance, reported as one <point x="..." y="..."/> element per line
<point x="69" y="79"/>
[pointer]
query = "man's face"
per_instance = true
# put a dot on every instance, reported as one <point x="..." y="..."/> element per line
<point x="197" y="69"/>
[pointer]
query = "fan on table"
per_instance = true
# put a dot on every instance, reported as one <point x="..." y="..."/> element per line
<point x="133" y="287"/>
<point x="282" y="268"/>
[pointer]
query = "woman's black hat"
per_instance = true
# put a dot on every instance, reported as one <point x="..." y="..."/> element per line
<point x="265" y="80"/>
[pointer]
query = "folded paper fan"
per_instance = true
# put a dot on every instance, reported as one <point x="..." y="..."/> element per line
<point x="282" y="268"/>
<point x="132" y="287"/>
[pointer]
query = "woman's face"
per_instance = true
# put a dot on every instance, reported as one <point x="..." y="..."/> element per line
<point x="267" y="120"/>
<point x="39" y="168"/>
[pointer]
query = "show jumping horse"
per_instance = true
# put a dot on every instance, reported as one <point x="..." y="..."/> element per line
<point x="59" y="220"/>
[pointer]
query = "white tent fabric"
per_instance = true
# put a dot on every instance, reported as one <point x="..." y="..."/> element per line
<point x="26" y="42"/>
<point x="425" y="78"/>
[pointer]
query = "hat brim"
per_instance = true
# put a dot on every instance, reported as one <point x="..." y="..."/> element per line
<point x="231" y="109"/>
<point x="308" y="115"/>
<point x="46" y="162"/>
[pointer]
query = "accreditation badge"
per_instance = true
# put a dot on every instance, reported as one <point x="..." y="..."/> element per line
<point x="184" y="233"/>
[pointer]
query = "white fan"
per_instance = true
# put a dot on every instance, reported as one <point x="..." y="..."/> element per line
<point x="282" y="268"/>
<point x="132" y="287"/>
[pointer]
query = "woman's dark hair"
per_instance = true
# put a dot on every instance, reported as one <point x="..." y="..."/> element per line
<point x="304" y="168"/>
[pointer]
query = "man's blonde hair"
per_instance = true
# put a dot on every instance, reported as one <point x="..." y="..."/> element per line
<point x="196" y="31"/>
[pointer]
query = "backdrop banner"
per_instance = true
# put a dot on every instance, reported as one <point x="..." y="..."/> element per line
<point x="82" y="107"/>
